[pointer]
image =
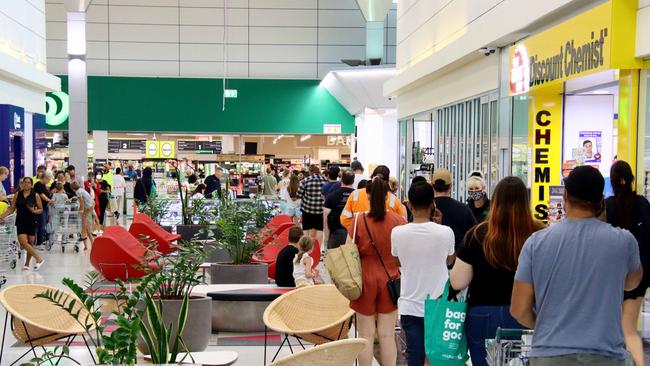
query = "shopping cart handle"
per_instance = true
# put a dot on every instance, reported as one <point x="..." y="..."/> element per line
<point x="511" y="333"/>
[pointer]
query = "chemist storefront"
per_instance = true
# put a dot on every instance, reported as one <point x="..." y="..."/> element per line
<point x="576" y="90"/>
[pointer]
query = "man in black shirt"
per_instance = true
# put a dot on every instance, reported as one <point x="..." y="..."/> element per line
<point x="284" y="261"/>
<point x="454" y="214"/>
<point x="213" y="184"/>
<point x="334" y="205"/>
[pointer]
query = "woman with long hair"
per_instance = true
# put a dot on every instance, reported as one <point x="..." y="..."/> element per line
<point x="28" y="206"/>
<point x="627" y="210"/>
<point x="376" y="310"/>
<point x="487" y="261"/>
<point x="291" y="200"/>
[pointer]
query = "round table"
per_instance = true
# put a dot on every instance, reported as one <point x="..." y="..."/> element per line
<point x="210" y="358"/>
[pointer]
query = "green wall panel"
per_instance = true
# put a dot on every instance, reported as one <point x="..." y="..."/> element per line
<point x="194" y="105"/>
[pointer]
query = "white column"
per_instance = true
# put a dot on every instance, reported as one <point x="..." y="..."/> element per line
<point x="100" y="145"/>
<point x="78" y="91"/>
<point x="227" y="144"/>
<point x="377" y="138"/>
<point x="28" y="144"/>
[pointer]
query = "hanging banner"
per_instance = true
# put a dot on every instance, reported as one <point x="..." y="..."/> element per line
<point x="545" y="137"/>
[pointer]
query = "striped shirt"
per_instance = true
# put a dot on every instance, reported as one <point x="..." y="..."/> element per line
<point x="310" y="194"/>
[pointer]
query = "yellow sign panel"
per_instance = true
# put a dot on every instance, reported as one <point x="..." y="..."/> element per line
<point x="152" y="150"/>
<point x="167" y="149"/>
<point x="160" y="149"/>
<point x="593" y="41"/>
<point x="546" y="141"/>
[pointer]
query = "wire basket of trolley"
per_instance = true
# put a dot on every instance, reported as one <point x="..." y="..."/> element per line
<point x="7" y="246"/>
<point x="65" y="225"/>
<point x="510" y="347"/>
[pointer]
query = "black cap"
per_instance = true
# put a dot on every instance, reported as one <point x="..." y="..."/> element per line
<point x="585" y="183"/>
<point x="356" y="165"/>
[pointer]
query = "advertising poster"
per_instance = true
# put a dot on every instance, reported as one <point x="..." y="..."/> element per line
<point x="591" y="143"/>
<point x="556" y="210"/>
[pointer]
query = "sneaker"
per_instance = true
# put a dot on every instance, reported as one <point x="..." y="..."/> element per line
<point x="25" y="268"/>
<point x="39" y="264"/>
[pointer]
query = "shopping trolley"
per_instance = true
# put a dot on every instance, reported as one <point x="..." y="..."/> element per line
<point x="7" y="245"/>
<point x="510" y="347"/>
<point x="65" y="226"/>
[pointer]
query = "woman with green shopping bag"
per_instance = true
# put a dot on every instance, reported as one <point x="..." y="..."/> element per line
<point x="487" y="261"/>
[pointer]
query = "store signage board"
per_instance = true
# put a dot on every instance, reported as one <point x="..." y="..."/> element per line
<point x="167" y="149"/>
<point x="230" y="93"/>
<point x="152" y="150"/>
<point x="593" y="41"/>
<point x="200" y="147"/>
<point x="114" y="146"/>
<point x="57" y="108"/>
<point x="332" y="129"/>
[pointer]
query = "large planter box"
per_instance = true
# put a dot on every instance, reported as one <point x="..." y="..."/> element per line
<point x="227" y="273"/>
<point x="196" y="334"/>
<point x="197" y="232"/>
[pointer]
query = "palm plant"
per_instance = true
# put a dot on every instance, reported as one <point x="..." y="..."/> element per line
<point x="155" y="208"/>
<point x="238" y="232"/>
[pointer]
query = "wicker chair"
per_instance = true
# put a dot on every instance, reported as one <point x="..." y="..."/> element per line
<point x="317" y="314"/>
<point x="340" y="353"/>
<point x="37" y="322"/>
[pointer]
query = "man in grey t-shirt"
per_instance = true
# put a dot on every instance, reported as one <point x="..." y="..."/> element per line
<point x="570" y="280"/>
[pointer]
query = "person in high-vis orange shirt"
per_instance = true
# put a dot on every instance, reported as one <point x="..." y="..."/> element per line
<point x="358" y="200"/>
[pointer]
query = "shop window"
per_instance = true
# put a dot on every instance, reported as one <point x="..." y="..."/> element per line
<point x="644" y="143"/>
<point x="520" y="148"/>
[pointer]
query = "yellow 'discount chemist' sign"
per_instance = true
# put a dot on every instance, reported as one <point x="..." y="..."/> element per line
<point x="160" y="149"/>
<point x="596" y="40"/>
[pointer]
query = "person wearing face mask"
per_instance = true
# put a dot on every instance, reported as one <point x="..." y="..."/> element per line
<point x="477" y="200"/>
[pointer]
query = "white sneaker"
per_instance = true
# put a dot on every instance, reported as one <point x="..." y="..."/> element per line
<point x="25" y="268"/>
<point x="39" y="264"/>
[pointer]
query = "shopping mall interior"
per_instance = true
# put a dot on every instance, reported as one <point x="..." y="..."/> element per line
<point x="196" y="182"/>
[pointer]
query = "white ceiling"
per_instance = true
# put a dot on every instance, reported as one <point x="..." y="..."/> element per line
<point x="357" y="89"/>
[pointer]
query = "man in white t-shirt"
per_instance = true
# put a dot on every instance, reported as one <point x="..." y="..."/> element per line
<point x="119" y="188"/>
<point x="424" y="250"/>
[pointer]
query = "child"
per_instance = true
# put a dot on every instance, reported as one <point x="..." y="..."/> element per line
<point x="284" y="261"/>
<point x="303" y="273"/>
<point x="86" y="207"/>
<point x="59" y="197"/>
<point x="292" y="202"/>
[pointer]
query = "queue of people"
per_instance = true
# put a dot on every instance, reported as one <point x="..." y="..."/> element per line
<point x="519" y="272"/>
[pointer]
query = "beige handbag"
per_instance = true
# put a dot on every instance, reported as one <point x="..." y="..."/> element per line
<point x="344" y="266"/>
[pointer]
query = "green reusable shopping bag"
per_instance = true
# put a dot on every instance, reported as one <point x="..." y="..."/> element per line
<point x="445" y="339"/>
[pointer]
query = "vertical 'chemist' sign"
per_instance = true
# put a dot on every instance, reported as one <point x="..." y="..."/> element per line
<point x="546" y="142"/>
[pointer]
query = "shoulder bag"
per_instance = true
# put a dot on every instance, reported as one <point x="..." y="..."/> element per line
<point x="344" y="266"/>
<point x="393" y="284"/>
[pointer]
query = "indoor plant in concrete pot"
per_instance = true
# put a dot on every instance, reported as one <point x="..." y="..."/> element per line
<point x="238" y="236"/>
<point x="197" y="220"/>
<point x="119" y="346"/>
<point x="179" y="274"/>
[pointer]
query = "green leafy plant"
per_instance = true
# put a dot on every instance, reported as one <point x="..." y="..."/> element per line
<point x="197" y="212"/>
<point x="154" y="208"/>
<point x="262" y="211"/>
<point x="238" y="232"/>
<point x="117" y="347"/>
<point x="158" y="336"/>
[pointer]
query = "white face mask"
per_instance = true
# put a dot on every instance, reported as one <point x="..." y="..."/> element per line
<point x="98" y="176"/>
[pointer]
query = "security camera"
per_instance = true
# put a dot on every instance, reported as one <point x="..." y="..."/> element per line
<point x="390" y="98"/>
<point x="487" y="51"/>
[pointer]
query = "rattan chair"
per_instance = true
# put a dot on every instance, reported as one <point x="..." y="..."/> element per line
<point x="317" y="314"/>
<point x="339" y="353"/>
<point x="37" y="322"/>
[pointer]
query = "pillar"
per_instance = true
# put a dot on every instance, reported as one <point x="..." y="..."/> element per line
<point x="77" y="91"/>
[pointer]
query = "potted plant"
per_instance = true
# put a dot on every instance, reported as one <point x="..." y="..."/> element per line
<point x="238" y="236"/>
<point x="119" y="346"/>
<point x="180" y="274"/>
<point x="197" y="219"/>
<point x="155" y="208"/>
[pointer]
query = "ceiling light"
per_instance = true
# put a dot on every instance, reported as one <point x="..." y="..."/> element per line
<point x="305" y="138"/>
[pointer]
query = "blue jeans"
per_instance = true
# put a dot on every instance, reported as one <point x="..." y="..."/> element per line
<point x="482" y="323"/>
<point x="413" y="326"/>
<point x="41" y="233"/>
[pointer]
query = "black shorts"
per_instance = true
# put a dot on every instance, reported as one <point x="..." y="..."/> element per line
<point x="312" y="221"/>
<point x="639" y="291"/>
<point x="29" y="230"/>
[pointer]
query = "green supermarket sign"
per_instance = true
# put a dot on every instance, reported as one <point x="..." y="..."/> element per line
<point x="57" y="108"/>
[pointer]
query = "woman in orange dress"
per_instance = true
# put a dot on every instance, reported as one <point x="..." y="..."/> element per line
<point x="375" y="309"/>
